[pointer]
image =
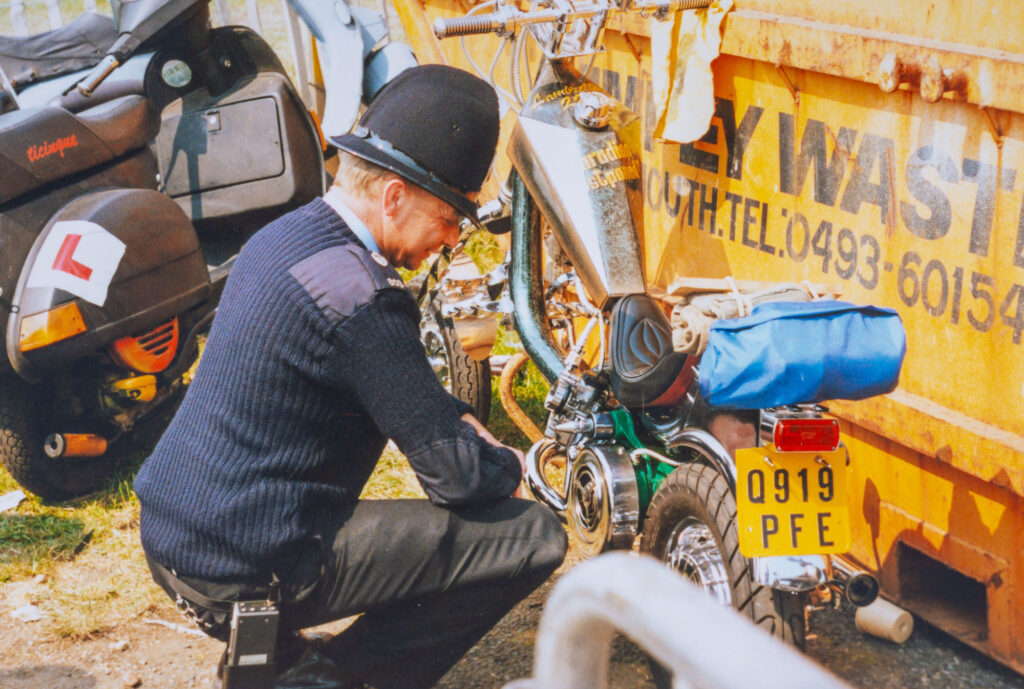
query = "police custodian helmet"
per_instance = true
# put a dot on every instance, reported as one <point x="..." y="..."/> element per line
<point x="436" y="126"/>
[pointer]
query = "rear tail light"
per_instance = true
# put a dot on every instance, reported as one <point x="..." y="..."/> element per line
<point x="806" y="435"/>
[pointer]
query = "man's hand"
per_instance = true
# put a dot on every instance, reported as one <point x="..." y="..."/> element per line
<point x="486" y="435"/>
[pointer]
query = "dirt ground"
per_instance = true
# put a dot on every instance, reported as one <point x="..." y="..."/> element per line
<point x="158" y="650"/>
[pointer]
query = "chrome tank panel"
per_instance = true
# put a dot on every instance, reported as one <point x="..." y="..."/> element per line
<point x="586" y="182"/>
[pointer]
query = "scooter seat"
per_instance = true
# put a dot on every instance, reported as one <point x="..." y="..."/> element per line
<point x="40" y="145"/>
<point x="78" y="45"/>
<point x="646" y="371"/>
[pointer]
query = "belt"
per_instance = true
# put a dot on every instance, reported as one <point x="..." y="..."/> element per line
<point x="187" y="596"/>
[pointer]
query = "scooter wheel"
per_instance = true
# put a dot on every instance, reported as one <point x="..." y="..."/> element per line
<point x="22" y="415"/>
<point x="459" y="373"/>
<point x="691" y="527"/>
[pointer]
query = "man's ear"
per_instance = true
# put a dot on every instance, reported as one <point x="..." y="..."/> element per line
<point x="392" y="194"/>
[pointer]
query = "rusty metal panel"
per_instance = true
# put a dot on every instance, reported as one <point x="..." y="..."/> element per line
<point x="984" y="23"/>
<point x="971" y="526"/>
<point x="929" y="52"/>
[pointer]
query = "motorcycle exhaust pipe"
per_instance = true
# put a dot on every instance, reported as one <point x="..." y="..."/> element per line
<point x="858" y="587"/>
<point x="68" y="445"/>
<point x="542" y="452"/>
<point x="861" y="589"/>
<point x="525" y="284"/>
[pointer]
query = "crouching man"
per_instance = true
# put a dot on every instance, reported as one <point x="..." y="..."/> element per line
<point x="313" y="362"/>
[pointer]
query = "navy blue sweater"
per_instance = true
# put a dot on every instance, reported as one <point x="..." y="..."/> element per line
<point x="312" y="363"/>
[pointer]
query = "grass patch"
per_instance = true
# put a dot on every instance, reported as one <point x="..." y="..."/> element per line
<point x="392" y="478"/>
<point x="109" y="581"/>
<point x="28" y="541"/>
<point x="93" y="571"/>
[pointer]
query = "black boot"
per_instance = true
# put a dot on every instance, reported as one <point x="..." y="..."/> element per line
<point x="315" y="670"/>
<point x="301" y="665"/>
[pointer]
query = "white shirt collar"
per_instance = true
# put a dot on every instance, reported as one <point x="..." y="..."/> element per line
<point x="333" y="199"/>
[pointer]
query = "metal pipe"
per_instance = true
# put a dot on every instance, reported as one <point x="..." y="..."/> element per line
<point x="508" y="21"/>
<point x="59" y="445"/>
<point x="508" y="400"/>
<point x="536" y="457"/>
<point x="525" y="284"/>
<point x="859" y="587"/>
<point x="635" y="455"/>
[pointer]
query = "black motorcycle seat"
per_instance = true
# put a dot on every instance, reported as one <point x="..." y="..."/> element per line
<point x="78" y="45"/>
<point x="40" y="145"/>
<point x="646" y="371"/>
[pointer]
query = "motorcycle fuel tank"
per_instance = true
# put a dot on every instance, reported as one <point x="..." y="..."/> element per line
<point x="119" y="261"/>
<point x="580" y="162"/>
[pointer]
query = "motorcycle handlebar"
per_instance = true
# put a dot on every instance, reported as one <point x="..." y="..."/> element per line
<point x="467" y="26"/>
<point x="506" y="21"/>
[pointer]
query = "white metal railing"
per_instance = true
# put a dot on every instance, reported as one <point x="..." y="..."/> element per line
<point x="18" y="13"/>
<point x="705" y="645"/>
<point x="24" y="17"/>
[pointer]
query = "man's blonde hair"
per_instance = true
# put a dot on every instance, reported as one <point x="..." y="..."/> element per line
<point x="358" y="177"/>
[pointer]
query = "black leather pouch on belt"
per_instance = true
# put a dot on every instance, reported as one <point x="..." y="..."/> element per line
<point x="251" y="635"/>
<point x="250" y="661"/>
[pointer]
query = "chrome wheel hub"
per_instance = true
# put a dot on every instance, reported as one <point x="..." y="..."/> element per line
<point x="588" y="504"/>
<point x="603" y="504"/>
<point x="692" y="551"/>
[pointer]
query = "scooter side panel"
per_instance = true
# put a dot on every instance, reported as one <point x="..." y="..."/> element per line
<point x="236" y="158"/>
<point x="21" y="221"/>
<point x="41" y="145"/>
<point x="128" y="257"/>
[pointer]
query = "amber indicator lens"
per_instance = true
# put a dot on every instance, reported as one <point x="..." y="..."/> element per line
<point x="41" y="329"/>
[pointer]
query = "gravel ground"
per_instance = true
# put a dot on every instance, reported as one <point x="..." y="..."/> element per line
<point x="930" y="659"/>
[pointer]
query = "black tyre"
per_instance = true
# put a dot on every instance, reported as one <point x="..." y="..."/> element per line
<point x="691" y="526"/>
<point x="23" y="418"/>
<point x="460" y="374"/>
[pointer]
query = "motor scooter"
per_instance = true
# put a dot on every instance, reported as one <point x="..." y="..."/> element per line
<point x="634" y="453"/>
<point x="132" y="171"/>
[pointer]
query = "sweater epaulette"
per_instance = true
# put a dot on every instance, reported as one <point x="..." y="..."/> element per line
<point x="341" y="279"/>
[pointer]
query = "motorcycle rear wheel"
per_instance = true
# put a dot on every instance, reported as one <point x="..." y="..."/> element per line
<point x="460" y="374"/>
<point x="22" y="432"/>
<point x="691" y="527"/>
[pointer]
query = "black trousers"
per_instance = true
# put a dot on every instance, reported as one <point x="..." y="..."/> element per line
<point x="429" y="582"/>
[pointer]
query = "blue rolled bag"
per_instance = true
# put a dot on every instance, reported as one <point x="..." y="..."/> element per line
<point x="793" y="352"/>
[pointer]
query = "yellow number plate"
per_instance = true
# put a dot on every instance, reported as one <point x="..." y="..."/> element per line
<point x="791" y="503"/>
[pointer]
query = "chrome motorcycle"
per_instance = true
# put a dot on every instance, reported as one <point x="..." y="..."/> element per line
<point x="632" y="455"/>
